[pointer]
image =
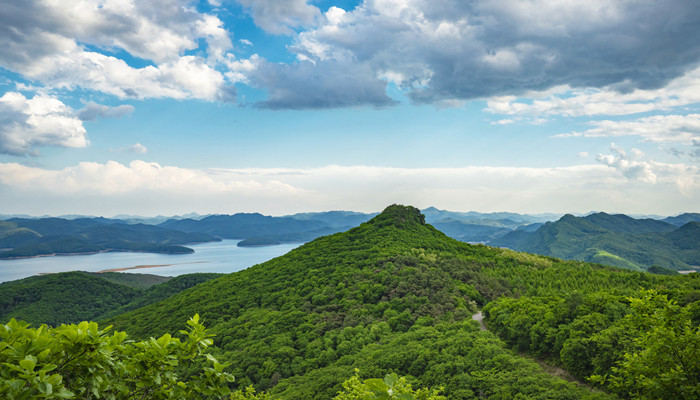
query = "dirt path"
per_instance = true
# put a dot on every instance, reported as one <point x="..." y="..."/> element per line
<point x="548" y="368"/>
<point x="479" y="317"/>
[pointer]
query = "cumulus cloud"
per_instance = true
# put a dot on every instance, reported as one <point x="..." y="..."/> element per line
<point x="48" y="42"/>
<point x="446" y="49"/>
<point x="281" y="16"/>
<point x="565" y="101"/>
<point x="657" y="128"/>
<point x="137" y="148"/>
<point x="92" y="111"/>
<point x="39" y="121"/>
<point x="636" y="167"/>
<point x="142" y="187"/>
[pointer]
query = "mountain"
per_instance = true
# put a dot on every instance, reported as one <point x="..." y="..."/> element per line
<point x="47" y="236"/>
<point x="616" y="240"/>
<point x="396" y="296"/>
<point x="391" y="295"/>
<point x="474" y="227"/>
<point x="336" y="219"/>
<point x="71" y="297"/>
<point x="621" y="223"/>
<point x="472" y="231"/>
<point x="433" y="214"/>
<point x="243" y="225"/>
<point x="683" y="219"/>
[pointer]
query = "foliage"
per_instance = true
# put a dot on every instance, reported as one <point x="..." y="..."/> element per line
<point x="395" y="296"/>
<point x="71" y="297"/>
<point x="68" y="297"/>
<point x="82" y="361"/>
<point x="390" y="388"/>
<point x="663" y="359"/>
<point x="640" y="346"/>
<point x="377" y="297"/>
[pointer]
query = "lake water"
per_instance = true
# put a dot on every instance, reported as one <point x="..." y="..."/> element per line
<point x="222" y="257"/>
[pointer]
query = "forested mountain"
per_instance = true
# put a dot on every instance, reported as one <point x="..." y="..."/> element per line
<point x="616" y="240"/>
<point x="683" y="219"/>
<point x="71" y="297"/>
<point x="46" y="236"/>
<point x="397" y="295"/>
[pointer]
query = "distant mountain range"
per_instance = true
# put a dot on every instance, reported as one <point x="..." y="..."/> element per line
<point x="617" y="240"/>
<point x="22" y="237"/>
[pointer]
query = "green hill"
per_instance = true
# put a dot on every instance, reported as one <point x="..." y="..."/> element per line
<point x="71" y="297"/>
<point x="616" y="240"/>
<point x="395" y="295"/>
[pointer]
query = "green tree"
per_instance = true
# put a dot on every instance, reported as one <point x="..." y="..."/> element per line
<point x="85" y="362"/>
<point x="664" y="362"/>
<point x="389" y="388"/>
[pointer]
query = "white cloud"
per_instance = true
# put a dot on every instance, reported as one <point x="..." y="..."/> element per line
<point x="657" y="128"/>
<point x="113" y="178"/>
<point x="565" y="101"/>
<point x="617" y="184"/>
<point x="637" y="167"/>
<point x="138" y="148"/>
<point x="47" y="41"/>
<point x="92" y="111"/>
<point x="506" y="121"/>
<point x="183" y="78"/>
<point x="281" y="16"/>
<point x="39" y="121"/>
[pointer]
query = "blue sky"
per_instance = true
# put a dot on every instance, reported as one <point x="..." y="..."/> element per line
<point x="223" y="106"/>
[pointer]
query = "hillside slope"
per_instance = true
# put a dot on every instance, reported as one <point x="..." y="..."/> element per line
<point x="72" y="297"/>
<point x="392" y="295"/>
<point x="616" y="240"/>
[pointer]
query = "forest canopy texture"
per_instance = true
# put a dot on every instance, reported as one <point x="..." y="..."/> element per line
<point x="395" y="296"/>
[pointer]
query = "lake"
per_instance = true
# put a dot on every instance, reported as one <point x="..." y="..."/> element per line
<point x="222" y="257"/>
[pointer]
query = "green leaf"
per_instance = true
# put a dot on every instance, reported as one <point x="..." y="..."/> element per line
<point x="28" y="363"/>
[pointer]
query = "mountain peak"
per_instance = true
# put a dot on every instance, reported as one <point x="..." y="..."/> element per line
<point x="399" y="216"/>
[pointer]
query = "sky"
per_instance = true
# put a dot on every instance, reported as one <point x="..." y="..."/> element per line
<point x="166" y="107"/>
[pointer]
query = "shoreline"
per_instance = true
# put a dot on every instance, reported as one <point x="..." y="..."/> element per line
<point x="121" y="269"/>
<point x="89" y="253"/>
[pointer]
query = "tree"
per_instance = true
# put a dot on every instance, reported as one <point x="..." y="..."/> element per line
<point x="85" y="362"/>
<point x="664" y="362"/>
<point x="390" y="388"/>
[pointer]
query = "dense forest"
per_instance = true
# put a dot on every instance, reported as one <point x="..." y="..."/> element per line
<point x="616" y="240"/>
<point x="394" y="298"/>
<point x="72" y="297"/>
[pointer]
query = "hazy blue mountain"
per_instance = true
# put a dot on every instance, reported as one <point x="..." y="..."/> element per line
<point x="336" y="218"/>
<point x="243" y="225"/>
<point x="23" y="237"/>
<point x="470" y="231"/>
<point x="683" y="219"/>
<point x="293" y="237"/>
